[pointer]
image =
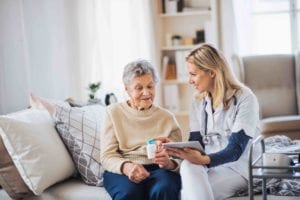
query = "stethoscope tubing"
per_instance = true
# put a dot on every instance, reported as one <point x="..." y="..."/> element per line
<point x="205" y="139"/>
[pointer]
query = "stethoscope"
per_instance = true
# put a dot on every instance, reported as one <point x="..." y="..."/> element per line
<point x="208" y="137"/>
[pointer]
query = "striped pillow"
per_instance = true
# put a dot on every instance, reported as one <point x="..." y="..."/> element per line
<point x="80" y="131"/>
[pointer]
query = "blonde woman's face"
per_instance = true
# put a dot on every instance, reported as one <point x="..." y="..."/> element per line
<point x="141" y="91"/>
<point x="201" y="80"/>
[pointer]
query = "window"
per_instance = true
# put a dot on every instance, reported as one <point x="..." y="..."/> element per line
<point x="275" y="26"/>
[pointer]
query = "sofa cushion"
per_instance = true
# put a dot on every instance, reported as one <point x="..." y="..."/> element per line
<point x="10" y="178"/>
<point x="35" y="149"/>
<point x="80" y="131"/>
<point x="287" y="125"/>
<point x="73" y="189"/>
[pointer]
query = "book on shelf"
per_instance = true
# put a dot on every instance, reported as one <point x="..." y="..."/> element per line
<point x="171" y="98"/>
<point x="169" y="71"/>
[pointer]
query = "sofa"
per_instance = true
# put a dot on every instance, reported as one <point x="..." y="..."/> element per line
<point x="275" y="80"/>
<point x="71" y="171"/>
<point x="67" y="185"/>
<point x="54" y="175"/>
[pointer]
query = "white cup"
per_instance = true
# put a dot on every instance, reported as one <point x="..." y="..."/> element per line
<point x="151" y="148"/>
<point x="276" y="160"/>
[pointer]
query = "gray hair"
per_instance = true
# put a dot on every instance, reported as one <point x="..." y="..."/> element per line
<point x="138" y="68"/>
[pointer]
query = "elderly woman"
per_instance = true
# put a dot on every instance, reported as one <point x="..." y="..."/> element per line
<point x="128" y="125"/>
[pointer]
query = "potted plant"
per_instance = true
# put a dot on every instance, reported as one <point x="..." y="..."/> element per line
<point x="93" y="88"/>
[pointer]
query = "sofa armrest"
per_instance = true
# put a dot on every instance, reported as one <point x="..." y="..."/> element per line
<point x="284" y="125"/>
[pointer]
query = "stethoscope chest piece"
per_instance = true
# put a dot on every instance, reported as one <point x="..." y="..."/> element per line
<point x="208" y="138"/>
<point x="205" y="140"/>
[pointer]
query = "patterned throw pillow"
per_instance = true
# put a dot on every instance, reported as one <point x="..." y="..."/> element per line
<point x="80" y="131"/>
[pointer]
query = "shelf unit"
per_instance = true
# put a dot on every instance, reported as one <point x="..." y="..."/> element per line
<point x="176" y="94"/>
<point x="175" y="48"/>
<point x="188" y="13"/>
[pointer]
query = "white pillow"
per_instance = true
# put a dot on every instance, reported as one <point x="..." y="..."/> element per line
<point x="36" y="148"/>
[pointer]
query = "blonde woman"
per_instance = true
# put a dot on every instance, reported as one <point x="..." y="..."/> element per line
<point x="224" y="118"/>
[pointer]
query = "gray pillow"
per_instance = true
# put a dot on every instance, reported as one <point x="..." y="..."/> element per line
<point x="80" y="131"/>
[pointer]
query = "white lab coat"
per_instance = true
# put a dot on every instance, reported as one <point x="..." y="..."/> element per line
<point x="243" y="114"/>
<point x="220" y="182"/>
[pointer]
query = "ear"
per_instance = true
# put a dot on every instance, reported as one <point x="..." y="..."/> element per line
<point x="127" y="90"/>
<point x="212" y="73"/>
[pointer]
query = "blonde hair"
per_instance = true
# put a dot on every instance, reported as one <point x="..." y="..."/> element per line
<point x="207" y="58"/>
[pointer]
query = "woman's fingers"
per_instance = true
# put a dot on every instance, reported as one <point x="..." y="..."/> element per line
<point x="176" y="152"/>
<point x="162" y="139"/>
<point x="162" y="162"/>
<point x="161" y="158"/>
<point x="138" y="173"/>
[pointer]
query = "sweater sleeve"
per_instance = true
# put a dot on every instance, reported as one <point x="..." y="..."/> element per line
<point x="232" y="152"/>
<point x="110" y="159"/>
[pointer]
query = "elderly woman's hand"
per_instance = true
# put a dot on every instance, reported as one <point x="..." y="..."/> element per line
<point x="160" y="140"/>
<point x="162" y="159"/>
<point x="135" y="172"/>
<point x="192" y="155"/>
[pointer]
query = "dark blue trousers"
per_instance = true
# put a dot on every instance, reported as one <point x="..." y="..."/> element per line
<point x="162" y="184"/>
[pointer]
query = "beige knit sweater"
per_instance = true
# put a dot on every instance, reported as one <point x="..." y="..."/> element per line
<point x="126" y="130"/>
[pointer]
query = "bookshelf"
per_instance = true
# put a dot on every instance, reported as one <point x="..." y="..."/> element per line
<point x="178" y="33"/>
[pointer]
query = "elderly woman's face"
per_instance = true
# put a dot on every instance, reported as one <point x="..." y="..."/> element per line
<point x="201" y="80"/>
<point x="141" y="91"/>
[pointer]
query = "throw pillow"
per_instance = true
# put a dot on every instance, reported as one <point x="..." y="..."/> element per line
<point x="36" y="149"/>
<point x="80" y="131"/>
<point x="10" y="178"/>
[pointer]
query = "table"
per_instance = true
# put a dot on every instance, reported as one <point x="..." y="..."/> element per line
<point x="256" y="169"/>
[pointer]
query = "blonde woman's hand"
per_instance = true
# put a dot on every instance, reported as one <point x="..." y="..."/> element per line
<point x="192" y="155"/>
<point x="135" y="172"/>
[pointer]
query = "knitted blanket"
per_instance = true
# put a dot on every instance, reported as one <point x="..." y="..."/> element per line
<point x="275" y="186"/>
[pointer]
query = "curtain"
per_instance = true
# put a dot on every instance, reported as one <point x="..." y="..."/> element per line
<point x="54" y="48"/>
<point x="124" y="32"/>
<point x="235" y="30"/>
<point x="243" y="25"/>
<point x="236" y="27"/>
<point x="13" y="78"/>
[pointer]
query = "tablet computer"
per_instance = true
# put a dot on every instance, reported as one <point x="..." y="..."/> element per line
<point x="181" y="145"/>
